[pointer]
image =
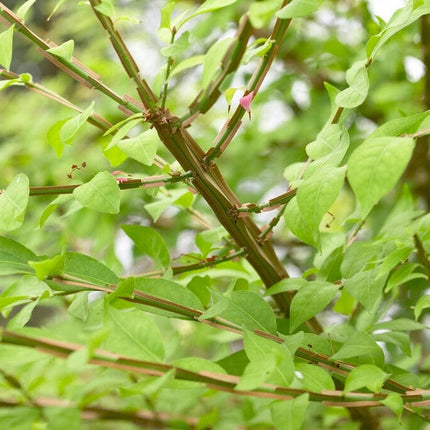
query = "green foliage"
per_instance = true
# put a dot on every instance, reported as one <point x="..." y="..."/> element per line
<point x="155" y="267"/>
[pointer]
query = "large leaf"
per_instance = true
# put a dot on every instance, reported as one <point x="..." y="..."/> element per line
<point x="366" y="287"/>
<point x="290" y="414"/>
<point x="88" y="269"/>
<point x="375" y="167"/>
<point x="101" y="193"/>
<point x="14" y="257"/>
<point x="309" y="300"/>
<point x="366" y="375"/>
<point x="150" y="242"/>
<point x="296" y="222"/>
<point x="362" y="348"/>
<point x="13" y="203"/>
<point x="316" y="194"/>
<point x="131" y="332"/>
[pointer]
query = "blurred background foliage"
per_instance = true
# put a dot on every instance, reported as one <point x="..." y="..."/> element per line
<point x="289" y="111"/>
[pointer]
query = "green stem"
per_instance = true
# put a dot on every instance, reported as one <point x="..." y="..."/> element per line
<point x="270" y="205"/>
<point x="147" y="96"/>
<point x="128" y="184"/>
<point x="232" y="125"/>
<point x="168" y="70"/>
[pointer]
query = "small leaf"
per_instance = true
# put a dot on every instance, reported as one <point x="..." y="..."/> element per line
<point x="287" y="284"/>
<point x="309" y="300"/>
<point x="366" y="375"/>
<point x="358" y="81"/>
<point x="375" y="167"/>
<point x="422" y="303"/>
<point x="186" y="64"/>
<point x="71" y="127"/>
<point x="23" y="9"/>
<point x="395" y="402"/>
<point x="401" y="324"/>
<point x="101" y="193"/>
<point x="50" y="266"/>
<point x="65" y="50"/>
<point x="315" y="195"/>
<point x="142" y="148"/>
<point x="150" y="242"/>
<point x="290" y="414"/>
<point x="260" y="13"/>
<point x="6" y="47"/>
<point x="179" y="46"/>
<point x="296" y="222"/>
<point x="314" y="378"/>
<point x="207" y="6"/>
<point x="106" y="8"/>
<point x="13" y="203"/>
<point x="298" y="8"/>
<point x="363" y="348"/>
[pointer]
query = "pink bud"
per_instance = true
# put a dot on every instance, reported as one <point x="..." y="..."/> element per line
<point x="245" y="102"/>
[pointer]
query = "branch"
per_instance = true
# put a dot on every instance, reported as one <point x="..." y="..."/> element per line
<point x="123" y="184"/>
<point x="146" y="95"/>
<point x="220" y="382"/>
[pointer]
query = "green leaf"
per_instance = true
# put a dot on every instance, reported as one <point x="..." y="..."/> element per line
<point x="358" y="256"/>
<point x="309" y="300"/>
<point x="53" y="136"/>
<point x="101" y="193"/>
<point x="395" y="402"/>
<point x="269" y="361"/>
<point x="398" y="21"/>
<point x="186" y="64"/>
<point x="315" y="195"/>
<point x="71" y="127"/>
<point x="149" y="386"/>
<point x="213" y="59"/>
<point x="290" y="414"/>
<point x="260" y="13"/>
<point x="13" y="203"/>
<point x="404" y="125"/>
<point x="422" y="303"/>
<point x="150" y="242"/>
<point x="400" y="324"/>
<point x="106" y="8"/>
<point x="297" y="224"/>
<point x="79" y="307"/>
<point x="207" y="6"/>
<point x="178" y="47"/>
<point x="251" y="311"/>
<point x="47" y="267"/>
<point x="366" y="375"/>
<point x="6" y="47"/>
<point x="14" y="257"/>
<point x="402" y="340"/>
<point x="64" y="51"/>
<point x="287" y="284"/>
<point x="155" y="209"/>
<point x="375" y="167"/>
<point x="366" y="287"/>
<point x="88" y="269"/>
<point x="358" y="81"/>
<point x="142" y="148"/>
<point x="131" y="332"/>
<point x="404" y="274"/>
<point x="332" y="141"/>
<point x="314" y="378"/>
<point x="168" y="290"/>
<point x="208" y="240"/>
<point x="256" y="373"/>
<point x="23" y="9"/>
<point x="298" y="8"/>
<point x="362" y="347"/>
